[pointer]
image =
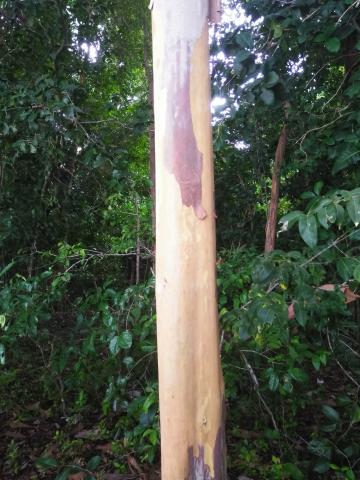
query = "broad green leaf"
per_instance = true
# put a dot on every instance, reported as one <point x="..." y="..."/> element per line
<point x="297" y="374"/>
<point x="350" y="475"/>
<point x="267" y="96"/>
<point x="357" y="273"/>
<point x="273" y="381"/>
<point x="290" y="219"/>
<point x="344" y="161"/>
<point x="322" y="218"/>
<point x="316" y="362"/>
<point x="6" y="268"/>
<point x="340" y="214"/>
<point x="242" y="55"/>
<point x="262" y="272"/>
<point x="292" y="471"/>
<point x="152" y="435"/>
<point x="93" y="463"/>
<point x="331" y="413"/>
<point x="2" y="354"/>
<point x="265" y="314"/>
<point x="353" y="209"/>
<point x="244" y="38"/>
<point x="307" y="195"/>
<point x="355" y="417"/>
<point x="122" y="341"/>
<point x="47" y="463"/>
<point x="125" y="339"/>
<point x="321" y="466"/>
<point x="318" y="187"/>
<point x="308" y="230"/>
<point x="64" y="474"/>
<point x="320" y="449"/>
<point x="333" y="44"/>
<point x="327" y="215"/>
<point x="272" y="78"/>
<point x="300" y="314"/>
<point x="345" y="267"/>
<point x="114" y="345"/>
<point x="278" y="31"/>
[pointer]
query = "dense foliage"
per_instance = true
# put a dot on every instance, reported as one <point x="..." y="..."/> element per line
<point x="78" y="383"/>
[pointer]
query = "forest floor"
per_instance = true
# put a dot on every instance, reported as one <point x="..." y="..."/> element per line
<point x="82" y="451"/>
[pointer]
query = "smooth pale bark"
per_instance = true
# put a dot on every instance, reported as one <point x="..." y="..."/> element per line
<point x="190" y="378"/>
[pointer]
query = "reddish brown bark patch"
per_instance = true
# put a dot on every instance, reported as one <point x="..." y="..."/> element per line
<point x="220" y="451"/>
<point x="198" y="469"/>
<point x="197" y="466"/>
<point x="184" y="158"/>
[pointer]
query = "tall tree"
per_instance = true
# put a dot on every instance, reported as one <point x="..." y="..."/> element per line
<point x="190" y="378"/>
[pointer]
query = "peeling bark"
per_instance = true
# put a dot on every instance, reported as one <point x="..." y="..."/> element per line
<point x="185" y="159"/>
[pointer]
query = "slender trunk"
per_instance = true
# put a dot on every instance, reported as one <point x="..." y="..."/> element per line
<point x="152" y="154"/>
<point x="150" y="85"/>
<point x="270" y="238"/>
<point x="138" y="246"/>
<point x="190" y="378"/>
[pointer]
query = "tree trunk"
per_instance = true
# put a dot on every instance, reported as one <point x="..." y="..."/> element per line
<point x="190" y="378"/>
<point x="150" y="85"/>
<point x="270" y="238"/>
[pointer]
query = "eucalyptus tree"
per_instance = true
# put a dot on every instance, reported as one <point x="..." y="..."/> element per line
<point x="190" y="378"/>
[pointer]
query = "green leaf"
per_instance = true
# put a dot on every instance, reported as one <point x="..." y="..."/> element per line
<point x="345" y="160"/>
<point x="290" y="219"/>
<point x="64" y="475"/>
<point x="308" y="230"/>
<point x="278" y="30"/>
<point x="353" y="209"/>
<point x="357" y="273"/>
<point x="262" y="272"/>
<point x="2" y="354"/>
<point x="320" y="449"/>
<point x="307" y="195"/>
<point x="318" y="187"/>
<point x="355" y="417"/>
<point x="345" y="267"/>
<point x="292" y="471"/>
<point x="119" y="342"/>
<point x="273" y="381"/>
<point x="272" y="78"/>
<point x="152" y="435"/>
<point x="245" y="39"/>
<point x="242" y="55"/>
<point x="125" y="339"/>
<point x="350" y="475"/>
<point x="297" y="374"/>
<point x="331" y="413"/>
<point x="6" y="268"/>
<point x="316" y="362"/>
<point x="93" y="463"/>
<point x="322" y="218"/>
<point x="46" y="463"/>
<point x="333" y="44"/>
<point x="267" y="96"/>
<point x="327" y="215"/>
<point x="321" y="466"/>
<point x="265" y="314"/>
<point x="300" y="314"/>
